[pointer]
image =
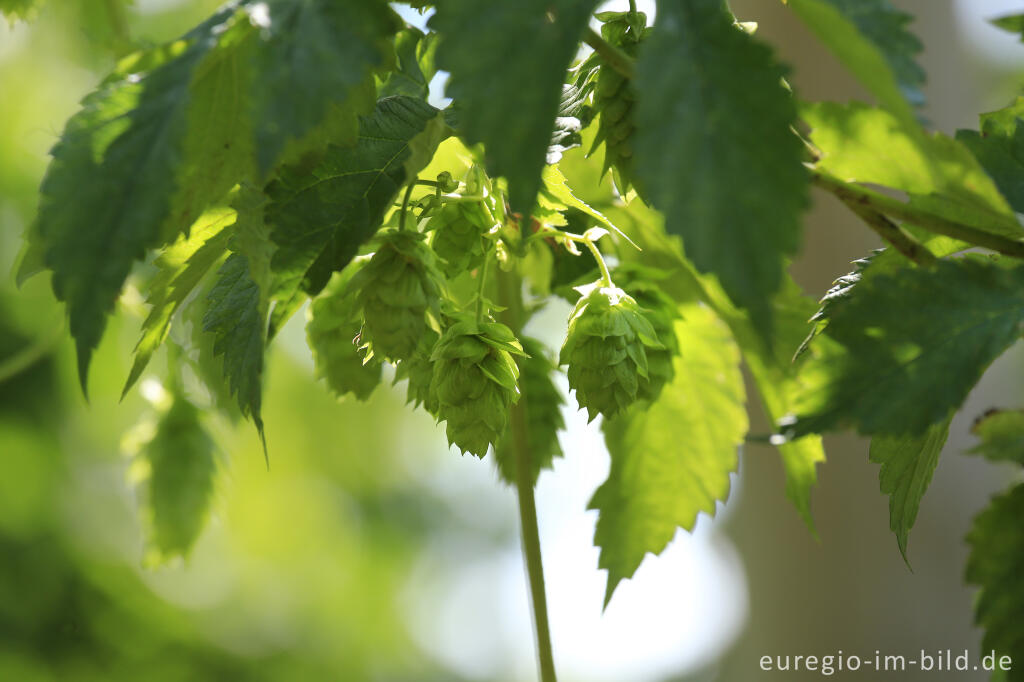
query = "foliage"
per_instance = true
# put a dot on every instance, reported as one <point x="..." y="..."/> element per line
<point x="281" y="153"/>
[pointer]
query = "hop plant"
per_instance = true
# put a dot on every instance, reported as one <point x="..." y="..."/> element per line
<point x="606" y="350"/>
<point x="662" y="312"/>
<point x="397" y="292"/>
<point x="475" y="382"/>
<point x="613" y="93"/>
<point x="419" y="371"/>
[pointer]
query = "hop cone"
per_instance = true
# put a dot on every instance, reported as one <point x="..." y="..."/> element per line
<point x="662" y="312"/>
<point x="332" y="326"/>
<point x="458" y="228"/>
<point x="606" y="350"/>
<point x="614" y="96"/>
<point x="474" y="382"/>
<point x="396" y="291"/>
<point x="543" y="402"/>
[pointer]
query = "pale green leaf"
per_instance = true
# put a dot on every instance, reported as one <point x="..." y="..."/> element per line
<point x="1002" y="436"/>
<point x="672" y="459"/>
<point x="870" y="38"/>
<point x="907" y="464"/>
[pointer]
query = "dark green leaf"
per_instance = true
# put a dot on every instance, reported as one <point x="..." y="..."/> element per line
<point x="907" y="466"/>
<point x="672" y="459"/>
<point x="130" y="172"/>
<point x="492" y="49"/>
<point x="1002" y="436"/>
<point x="181" y="465"/>
<point x="996" y="564"/>
<point x="999" y="147"/>
<point x="319" y="218"/>
<point x="714" y="151"/>
<point x="313" y="55"/>
<point x="415" y="53"/>
<point x="237" y="319"/>
<point x="906" y="348"/>
<point x="871" y="39"/>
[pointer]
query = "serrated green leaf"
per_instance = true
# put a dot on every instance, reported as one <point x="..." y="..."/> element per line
<point x="319" y="218"/>
<point x="181" y="463"/>
<point x="672" y="459"/>
<point x="729" y="180"/>
<point x="110" y="191"/>
<point x="1002" y="436"/>
<point x="543" y="402"/>
<point x="181" y="266"/>
<point x="995" y="564"/>
<point x="415" y="54"/>
<point x="510" y="46"/>
<point x="906" y="348"/>
<point x="999" y="148"/>
<point x="772" y="367"/>
<point x="907" y="464"/>
<point x="237" y="318"/>
<point x="863" y="144"/>
<point x="313" y="55"/>
<point x="870" y="38"/>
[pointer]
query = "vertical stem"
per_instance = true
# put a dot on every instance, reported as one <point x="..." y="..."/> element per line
<point x="509" y="288"/>
<point x="405" y="206"/>
<point x="606" y="276"/>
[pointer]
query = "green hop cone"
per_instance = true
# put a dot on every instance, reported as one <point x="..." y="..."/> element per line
<point x="614" y="96"/>
<point x="332" y="326"/>
<point x="662" y="312"/>
<point x="475" y="382"/>
<point x="542" y="403"/>
<point x="606" y="350"/>
<point x="458" y="240"/>
<point x="396" y="292"/>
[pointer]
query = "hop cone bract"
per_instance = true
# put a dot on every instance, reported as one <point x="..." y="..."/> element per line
<point x="662" y="312"/>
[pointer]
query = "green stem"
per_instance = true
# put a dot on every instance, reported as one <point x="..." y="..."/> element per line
<point x="14" y="365"/>
<point x="405" y="205"/>
<point x="616" y="58"/>
<point x="480" y="287"/>
<point x="852" y="194"/>
<point x="894" y="235"/>
<point x="509" y="290"/>
<point x="606" y="276"/>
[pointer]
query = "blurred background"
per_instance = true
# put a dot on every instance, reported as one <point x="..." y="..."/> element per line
<point x="372" y="552"/>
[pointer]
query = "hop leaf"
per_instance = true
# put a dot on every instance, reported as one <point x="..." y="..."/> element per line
<point x="475" y="382"/>
<point x="333" y="325"/>
<point x="395" y="292"/>
<point x="606" y="350"/>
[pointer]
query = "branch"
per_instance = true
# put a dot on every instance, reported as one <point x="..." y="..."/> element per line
<point x="893" y="234"/>
<point x="855" y="195"/>
<point x="616" y="58"/>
